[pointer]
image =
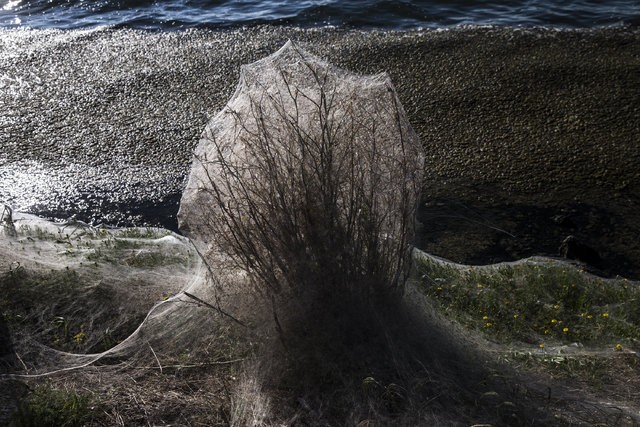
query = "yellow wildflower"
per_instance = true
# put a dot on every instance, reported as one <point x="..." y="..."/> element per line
<point x="541" y="345"/>
<point x="565" y="330"/>
<point x="618" y="347"/>
<point x="605" y="315"/>
<point x="554" y="321"/>
<point x="488" y="324"/>
<point x="79" y="337"/>
<point x="485" y="317"/>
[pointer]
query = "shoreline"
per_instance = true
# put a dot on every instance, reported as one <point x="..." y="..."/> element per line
<point x="521" y="126"/>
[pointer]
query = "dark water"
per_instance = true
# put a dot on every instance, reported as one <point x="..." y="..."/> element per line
<point x="387" y="14"/>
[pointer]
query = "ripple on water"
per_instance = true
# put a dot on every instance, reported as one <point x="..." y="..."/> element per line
<point x="386" y="14"/>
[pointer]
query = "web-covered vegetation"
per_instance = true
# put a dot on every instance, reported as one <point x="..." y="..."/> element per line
<point x="308" y="179"/>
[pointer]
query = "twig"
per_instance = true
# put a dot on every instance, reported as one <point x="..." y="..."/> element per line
<point x="21" y="362"/>
<point x="197" y="365"/>
<point x="277" y="320"/>
<point x="154" y="355"/>
<point x="218" y="309"/>
<point x="57" y="371"/>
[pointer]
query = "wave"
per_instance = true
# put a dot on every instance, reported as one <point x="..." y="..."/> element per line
<point x="384" y="14"/>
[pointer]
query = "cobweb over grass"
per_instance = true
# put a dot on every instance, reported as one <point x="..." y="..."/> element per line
<point x="74" y="295"/>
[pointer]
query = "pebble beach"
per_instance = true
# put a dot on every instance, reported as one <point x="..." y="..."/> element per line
<point x="531" y="135"/>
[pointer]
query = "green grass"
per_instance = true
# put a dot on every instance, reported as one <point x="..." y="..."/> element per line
<point x="536" y="302"/>
<point x="44" y="302"/>
<point x="121" y="252"/>
<point x="57" y="309"/>
<point x="69" y="308"/>
<point x="152" y="259"/>
<point x="143" y="233"/>
<point x="21" y="288"/>
<point x="37" y="232"/>
<point x="126" y="249"/>
<point x="48" y="407"/>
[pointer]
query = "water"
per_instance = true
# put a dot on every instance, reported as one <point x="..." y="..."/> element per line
<point x="383" y="14"/>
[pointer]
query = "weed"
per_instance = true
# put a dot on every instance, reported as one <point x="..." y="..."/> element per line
<point x="151" y="259"/>
<point x="120" y="244"/>
<point x="533" y="302"/>
<point x="55" y="308"/>
<point x="98" y="254"/>
<point x="80" y="337"/>
<point x="143" y="233"/>
<point x="48" y="407"/>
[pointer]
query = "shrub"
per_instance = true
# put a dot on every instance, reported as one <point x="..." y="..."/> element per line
<point x="309" y="180"/>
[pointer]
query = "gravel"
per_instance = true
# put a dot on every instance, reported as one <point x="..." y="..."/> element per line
<point x="531" y="134"/>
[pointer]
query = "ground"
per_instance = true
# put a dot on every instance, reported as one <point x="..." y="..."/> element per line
<point x="508" y="319"/>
